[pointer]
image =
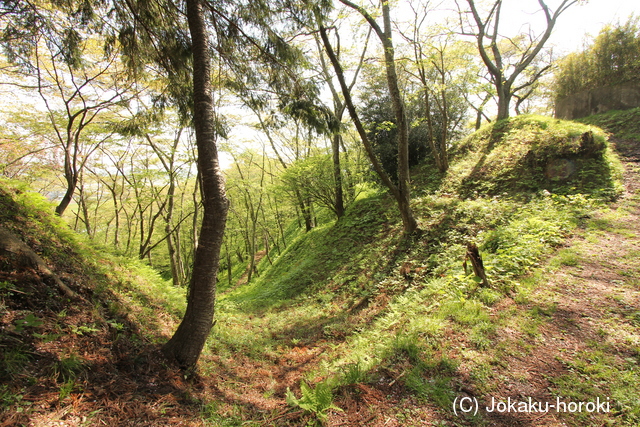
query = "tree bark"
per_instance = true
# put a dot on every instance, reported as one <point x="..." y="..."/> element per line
<point x="337" y="175"/>
<point x="72" y="180"/>
<point x="186" y="344"/>
<point x="473" y="255"/>
<point x="404" y="181"/>
<point x="504" y="101"/>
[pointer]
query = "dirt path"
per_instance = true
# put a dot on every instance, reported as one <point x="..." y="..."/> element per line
<point x="579" y="331"/>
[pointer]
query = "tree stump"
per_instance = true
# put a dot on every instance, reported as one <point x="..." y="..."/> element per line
<point x="473" y="256"/>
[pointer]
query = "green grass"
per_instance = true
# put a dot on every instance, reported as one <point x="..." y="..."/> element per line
<point x="316" y="259"/>
<point x="597" y="372"/>
<point x="566" y="257"/>
<point x="135" y="283"/>
<point x="326" y="285"/>
<point x="532" y="153"/>
<point x="342" y="283"/>
<point x="623" y="124"/>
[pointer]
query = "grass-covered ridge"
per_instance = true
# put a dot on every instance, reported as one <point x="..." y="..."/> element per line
<point x="56" y="350"/>
<point x="623" y="124"/>
<point x="89" y="267"/>
<point x="531" y="153"/>
<point x="312" y="261"/>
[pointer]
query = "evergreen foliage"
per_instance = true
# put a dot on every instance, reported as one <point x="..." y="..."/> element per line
<point x="378" y="117"/>
<point x="612" y="58"/>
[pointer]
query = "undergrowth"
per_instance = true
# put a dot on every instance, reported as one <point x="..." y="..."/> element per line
<point x="48" y="340"/>
<point x="532" y="153"/>
<point x="623" y="124"/>
<point x="389" y="305"/>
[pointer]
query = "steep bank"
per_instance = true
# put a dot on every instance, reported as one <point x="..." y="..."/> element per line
<point x="78" y="328"/>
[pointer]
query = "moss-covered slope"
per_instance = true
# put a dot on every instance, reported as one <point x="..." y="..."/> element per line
<point x="532" y="153"/>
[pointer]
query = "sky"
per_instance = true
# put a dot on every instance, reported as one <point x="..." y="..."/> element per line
<point x="582" y="20"/>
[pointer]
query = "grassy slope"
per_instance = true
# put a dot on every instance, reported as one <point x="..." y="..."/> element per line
<point x="622" y="124"/>
<point x="400" y="316"/>
<point x="389" y="329"/>
<point x="90" y="359"/>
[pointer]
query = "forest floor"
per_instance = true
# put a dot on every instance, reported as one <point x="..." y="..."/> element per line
<point x="584" y="342"/>
<point x="574" y="335"/>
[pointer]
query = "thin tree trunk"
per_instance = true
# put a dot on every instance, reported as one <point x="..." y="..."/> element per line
<point x="252" y="250"/>
<point x="68" y="195"/>
<point x="337" y="175"/>
<point x="432" y="143"/>
<point x="305" y="211"/>
<point x="188" y="341"/>
<point x="116" y="212"/>
<point x="401" y="192"/>
<point x="85" y="211"/>
<point x="229" y="267"/>
<point x="404" y="180"/>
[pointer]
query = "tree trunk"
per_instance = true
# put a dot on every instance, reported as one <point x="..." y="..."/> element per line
<point x="504" y="99"/>
<point x="337" y="175"/>
<point x="85" y="211"/>
<point x="116" y="216"/>
<point x="404" y="181"/>
<point x="186" y="344"/>
<point x="68" y="195"/>
<point x="252" y="249"/>
<point x="305" y="210"/>
<point x="473" y="255"/>
<point x="444" y="112"/>
<point x="401" y="192"/>
<point x="432" y="143"/>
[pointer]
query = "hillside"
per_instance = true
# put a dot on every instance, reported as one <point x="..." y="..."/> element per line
<point x="369" y="314"/>
<point x="88" y="355"/>
<point x="354" y="324"/>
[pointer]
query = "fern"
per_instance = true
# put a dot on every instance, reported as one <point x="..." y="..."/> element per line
<point x="316" y="401"/>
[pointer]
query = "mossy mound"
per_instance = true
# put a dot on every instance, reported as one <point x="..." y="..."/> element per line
<point x="527" y="154"/>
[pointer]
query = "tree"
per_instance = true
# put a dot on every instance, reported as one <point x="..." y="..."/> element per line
<point x="402" y="191"/>
<point x="57" y="47"/>
<point x="27" y="149"/>
<point x="292" y="141"/>
<point x="379" y="120"/>
<point x="314" y="178"/>
<point x="187" y="342"/>
<point x="339" y="108"/>
<point x="153" y="32"/>
<point x="249" y="194"/>
<point x="505" y="73"/>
